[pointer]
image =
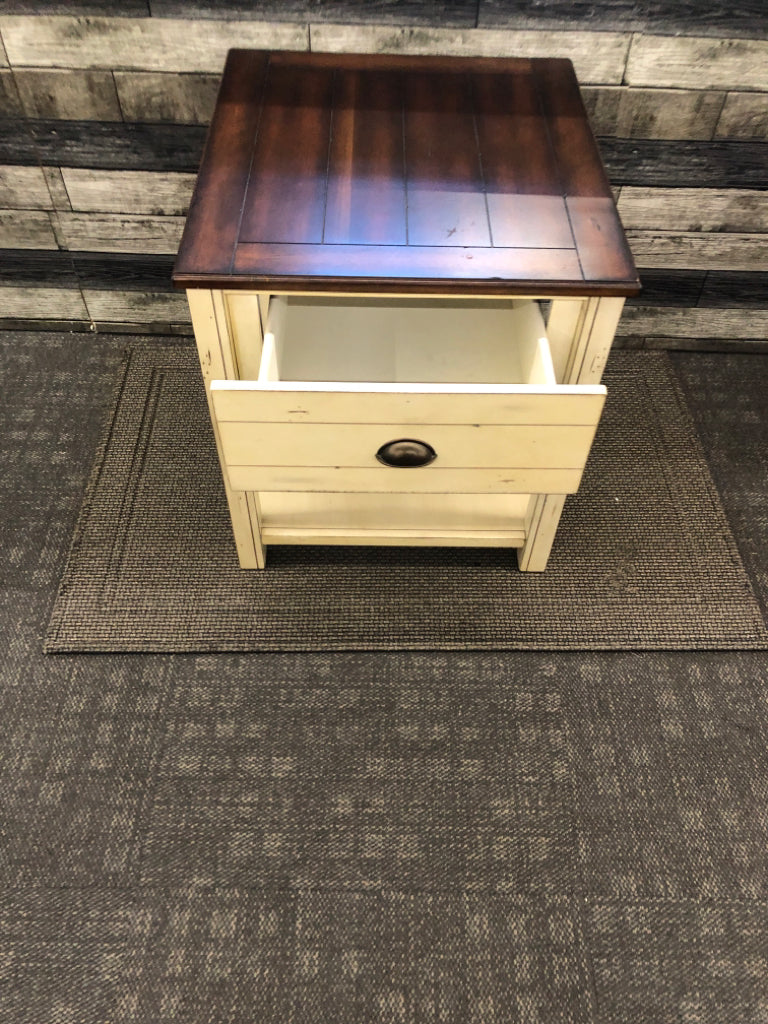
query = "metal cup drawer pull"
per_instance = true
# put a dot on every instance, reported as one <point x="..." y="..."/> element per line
<point x="406" y="453"/>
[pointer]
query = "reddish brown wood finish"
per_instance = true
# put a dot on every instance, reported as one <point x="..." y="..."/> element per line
<point x="407" y="174"/>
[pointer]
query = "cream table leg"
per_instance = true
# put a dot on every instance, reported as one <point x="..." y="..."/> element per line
<point x="581" y="333"/>
<point x="218" y="361"/>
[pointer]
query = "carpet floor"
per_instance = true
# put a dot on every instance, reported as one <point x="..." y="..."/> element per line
<point x="293" y="837"/>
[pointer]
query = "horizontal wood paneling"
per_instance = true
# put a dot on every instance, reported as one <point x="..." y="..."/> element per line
<point x="694" y="209"/>
<point x="443" y="12"/>
<point x="57" y="188"/>
<point x="26" y="229"/>
<point x="159" y="96"/>
<point x="42" y="303"/>
<point x="654" y="162"/>
<point x="10" y="104"/>
<point x="597" y="56"/>
<point x="692" y="250"/>
<point x="744" y="116"/>
<point x="692" y="63"/>
<point x="653" y="113"/>
<point x="145" y="44"/>
<point x="118" y="233"/>
<point x="23" y="188"/>
<point x="696" y="323"/>
<point x="716" y="17"/>
<point x="99" y="271"/>
<point x="37" y="268"/>
<point x="141" y="192"/>
<point x="73" y="95"/>
<point x="726" y="289"/>
<point x="669" y="287"/>
<point x="86" y="8"/>
<point x="136" y="307"/>
<point x="17" y="147"/>
<point x="99" y="144"/>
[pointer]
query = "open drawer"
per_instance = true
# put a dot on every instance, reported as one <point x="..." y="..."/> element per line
<point x="405" y="396"/>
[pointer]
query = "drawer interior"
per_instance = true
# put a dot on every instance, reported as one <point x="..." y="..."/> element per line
<point x="379" y="340"/>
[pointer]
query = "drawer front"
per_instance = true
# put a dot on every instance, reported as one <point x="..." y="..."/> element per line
<point x="486" y="439"/>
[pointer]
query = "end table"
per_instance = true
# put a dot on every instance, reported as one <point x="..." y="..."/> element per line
<point x="370" y="250"/>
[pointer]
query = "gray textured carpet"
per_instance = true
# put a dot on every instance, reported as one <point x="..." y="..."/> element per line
<point x="644" y="557"/>
<point x="294" y="838"/>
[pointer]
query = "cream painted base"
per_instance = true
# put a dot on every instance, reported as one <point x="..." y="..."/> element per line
<point x="296" y="388"/>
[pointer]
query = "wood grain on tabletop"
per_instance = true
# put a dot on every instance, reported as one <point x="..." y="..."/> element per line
<point x="407" y="171"/>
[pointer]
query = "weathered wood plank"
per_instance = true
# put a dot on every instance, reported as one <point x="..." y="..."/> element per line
<point x="37" y="268"/>
<point x="744" y="116"/>
<point x="670" y="164"/>
<point x="669" y="288"/>
<point x="100" y="271"/>
<point x="42" y="303"/>
<point x="597" y="56"/>
<point x="16" y="144"/>
<point x="559" y="14"/>
<point x="694" y="323"/>
<point x="26" y="229"/>
<point x="56" y="188"/>
<point x="136" y="307"/>
<point x="458" y="13"/>
<point x="84" y="8"/>
<point x="151" y="193"/>
<point x="175" y="98"/>
<point x="653" y="113"/>
<point x="694" y="209"/>
<point x="728" y="289"/>
<point x="23" y="188"/>
<point x="71" y="95"/>
<point x="696" y="63"/>
<point x="746" y="19"/>
<point x="10" y="104"/>
<point x="99" y="144"/>
<point x="119" y="233"/>
<point x="145" y="44"/>
<point x="699" y="250"/>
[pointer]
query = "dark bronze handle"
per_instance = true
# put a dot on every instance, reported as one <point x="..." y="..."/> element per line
<point x="406" y="453"/>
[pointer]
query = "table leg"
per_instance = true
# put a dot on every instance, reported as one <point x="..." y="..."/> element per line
<point x="581" y="332"/>
<point x="218" y="361"/>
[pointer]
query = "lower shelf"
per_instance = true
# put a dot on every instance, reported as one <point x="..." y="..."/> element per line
<point x="466" y="520"/>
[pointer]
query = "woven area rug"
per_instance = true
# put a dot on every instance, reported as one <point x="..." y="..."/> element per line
<point x="644" y="558"/>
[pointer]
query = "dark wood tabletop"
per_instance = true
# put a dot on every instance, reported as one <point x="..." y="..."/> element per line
<point x="328" y="172"/>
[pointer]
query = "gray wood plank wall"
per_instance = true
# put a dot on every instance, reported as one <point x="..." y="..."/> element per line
<point x="103" y="120"/>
